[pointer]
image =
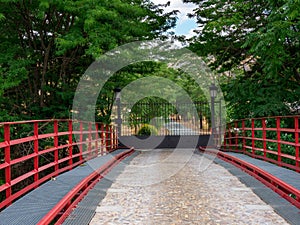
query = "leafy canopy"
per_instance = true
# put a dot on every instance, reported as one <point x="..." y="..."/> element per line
<point x="255" y="44"/>
<point x="46" y="45"/>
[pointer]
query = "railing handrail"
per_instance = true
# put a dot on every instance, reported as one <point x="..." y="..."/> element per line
<point x="66" y="151"/>
<point x="46" y="120"/>
<point x="264" y="117"/>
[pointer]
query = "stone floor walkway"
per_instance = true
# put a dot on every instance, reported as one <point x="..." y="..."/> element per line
<point x="179" y="187"/>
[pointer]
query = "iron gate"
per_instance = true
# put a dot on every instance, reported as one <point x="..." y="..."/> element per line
<point x="161" y="118"/>
<point x="158" y="118"/>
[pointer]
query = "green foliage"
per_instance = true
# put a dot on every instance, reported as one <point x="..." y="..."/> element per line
<point x="147" y="130"/>
<point x="146" y="69"/>
<point x="255" y="44"/>
<point x="223" y="29"/>
<point x="45" y="47"/>
<point x="253" y="97"/>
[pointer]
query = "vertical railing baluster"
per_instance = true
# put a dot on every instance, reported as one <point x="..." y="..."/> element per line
<point x="244" y="139"/>
<point x="80" y="140"/>
<point x="111" y="138"/>
<point x="264" y="137"/>
<point x="102" y="138"/>
<point x="220" y="121"/>
<point x="236" y="136"/>
<point x="165" y="118"/>
<point x="296" y="126"/>
<point x="107" y="138"/>
<point x="55" y="127"/>
<point x="70" y="147"/>
<point x="90" y="150"/>
<point x="36" y="151"/>
<point x="278" y="130"/>
<point x="7" y="159"/>
<point x="253" y="136"/>
<point x="96" y="138"/>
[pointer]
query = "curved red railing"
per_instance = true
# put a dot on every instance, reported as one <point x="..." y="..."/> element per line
<point x="32" y="152"/>
<point x="287" y="191"/>
<point x="272" y="139"/>
<point x="65" y="206"/>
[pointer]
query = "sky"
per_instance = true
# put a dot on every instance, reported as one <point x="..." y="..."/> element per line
<point x="185" y="25"/>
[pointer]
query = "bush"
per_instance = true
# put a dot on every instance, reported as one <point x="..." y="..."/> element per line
<point x="147" y="130"/>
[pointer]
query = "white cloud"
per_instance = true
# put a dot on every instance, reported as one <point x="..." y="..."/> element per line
<point x="190" y="34"/>
<point x="184" y="9"/>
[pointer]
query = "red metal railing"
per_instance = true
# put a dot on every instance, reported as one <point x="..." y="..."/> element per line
<point x="273" y="139"/>
<point x="64" y="207"/>
<point x="32" y="152"/>
<point x="287" y="191"/>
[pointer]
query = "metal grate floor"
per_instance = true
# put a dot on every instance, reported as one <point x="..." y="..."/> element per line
<point x="284" y="208"/>
<point x="85" y="210"/>
<point x="288" y="176"/>
<point x="32" y="207"/>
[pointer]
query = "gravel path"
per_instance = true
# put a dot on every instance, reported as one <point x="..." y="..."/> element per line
<point x="167" y="187"/>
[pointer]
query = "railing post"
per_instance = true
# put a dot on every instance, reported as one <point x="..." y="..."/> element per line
<point x="236" y="135"/>
<point x="107" y="135"/>
<point x="90" y="152"/>
<point x="70" y="124"/>
<point x="296" y="119"/>
<point x="7" y="159"/>
<point x="253" y="136"/>
<point x="80" y="140"/>
<point x="220" y="122"/>
<point x="278" y="141"/>
<point x="55" y="128"/>
<point x="96" y="138"/>
<point x="36" y="151"/>
<point x="111" y="138"/>
<point x="244" y="139"/>
<point x="264" y="137"/>
<point x="229" y="137"/>
<point x="102" y="139"/>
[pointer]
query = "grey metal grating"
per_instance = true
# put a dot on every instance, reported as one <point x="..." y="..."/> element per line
<point x="32" y="207"/>
<point x="284" y="208"/>
<point x="289" y="213"/>
<point x="85" y="210"/>
<point x="286" y="175"/>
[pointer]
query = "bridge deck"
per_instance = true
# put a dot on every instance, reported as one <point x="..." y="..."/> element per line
<point x="184" y="189"/>
<point x="156" y="188"/>
<point x="32" y="207"/>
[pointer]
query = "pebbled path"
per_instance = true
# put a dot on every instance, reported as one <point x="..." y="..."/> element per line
<point x="167" y="187"/>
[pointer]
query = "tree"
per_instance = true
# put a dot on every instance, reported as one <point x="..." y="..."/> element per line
<point x="259" y="41"/>
<point x="47" y="45"/>
<point x="146" y="69"/>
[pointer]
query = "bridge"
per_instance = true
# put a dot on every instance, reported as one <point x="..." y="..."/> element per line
<point x="74" y="172"/>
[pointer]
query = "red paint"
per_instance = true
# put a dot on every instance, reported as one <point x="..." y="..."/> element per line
<point x="241" y="142"/>
<point x="283" y="189"/>
<point x="37" y="139"/>
<point x="62" y="209"/>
